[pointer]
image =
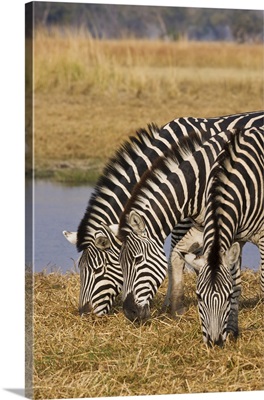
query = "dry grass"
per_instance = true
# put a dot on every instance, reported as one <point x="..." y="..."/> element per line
<point x="109" y="356"/>
<point x="68" y="58"/>
<point x="90" y="95"/>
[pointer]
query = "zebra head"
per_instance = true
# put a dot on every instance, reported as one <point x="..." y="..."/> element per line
<point x="100" y="273"/>
<point x="214" y="292"/>
<point x="144" y="264"/>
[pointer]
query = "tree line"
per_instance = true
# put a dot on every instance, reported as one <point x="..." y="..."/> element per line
<point x="153" y="22"/>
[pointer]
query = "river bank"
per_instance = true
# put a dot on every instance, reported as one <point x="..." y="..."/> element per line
<point x="75" y="172"/>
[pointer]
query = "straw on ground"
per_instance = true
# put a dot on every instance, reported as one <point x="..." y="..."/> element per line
<point x="109" y="356"/>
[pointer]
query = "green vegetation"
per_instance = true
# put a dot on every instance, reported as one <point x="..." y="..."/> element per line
<point x="76" y="176"/>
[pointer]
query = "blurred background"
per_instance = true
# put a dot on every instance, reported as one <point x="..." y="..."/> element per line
<point x="106" y="21"/>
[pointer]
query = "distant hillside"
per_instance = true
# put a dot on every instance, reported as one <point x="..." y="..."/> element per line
<point x="153" y="22"/>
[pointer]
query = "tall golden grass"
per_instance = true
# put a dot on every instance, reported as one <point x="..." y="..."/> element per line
<point x="78" y="62"/>
<point x="109" y="356"/>
<point x="92" y="94"/>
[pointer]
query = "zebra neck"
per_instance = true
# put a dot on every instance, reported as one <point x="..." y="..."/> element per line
<point x="175" y="201"/>
<point x="234" y="210"/>
<point x="177" y="192"/>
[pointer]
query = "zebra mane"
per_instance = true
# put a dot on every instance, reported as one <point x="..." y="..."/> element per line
<point x="115" y="166"/>
<point x="175" y="155"/>
<point x="218" y="172"/>
<point x="214" y="253"/>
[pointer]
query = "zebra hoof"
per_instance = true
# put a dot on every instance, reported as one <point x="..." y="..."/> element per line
<point x="178" y="312"/>
<point x="164" y="308"/>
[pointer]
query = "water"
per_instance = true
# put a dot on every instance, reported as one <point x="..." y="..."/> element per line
<point x="58" y="207"/>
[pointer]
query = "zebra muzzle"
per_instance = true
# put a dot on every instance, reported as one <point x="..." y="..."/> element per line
<point x="217" y="342"/>
<point x="133" y="311"/>
<point x="86" y="308"/>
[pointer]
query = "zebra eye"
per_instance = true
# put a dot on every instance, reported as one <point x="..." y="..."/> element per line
<point x="139" y="258"/>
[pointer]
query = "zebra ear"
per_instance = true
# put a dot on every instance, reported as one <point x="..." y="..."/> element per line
<point x="70" y="236"/>
<point x="136" y="222"/>
<point x="114" y="229"/>
<point x="233" y="253"/>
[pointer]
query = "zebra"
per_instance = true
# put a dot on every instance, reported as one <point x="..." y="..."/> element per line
<point x="166" y="195"/>
<point x="100" y="272"/>
<point x="234" y="214"/>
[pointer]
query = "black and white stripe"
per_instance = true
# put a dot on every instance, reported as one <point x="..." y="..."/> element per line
<point x="166" y="195"/>
<point x="100" y="272"/>
<point x="234" y="214"/>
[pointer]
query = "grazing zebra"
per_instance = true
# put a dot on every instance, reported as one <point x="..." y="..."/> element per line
<point x="234" y="213"/>
<point x="100" y="272"/>
<point x="167" y="194"/>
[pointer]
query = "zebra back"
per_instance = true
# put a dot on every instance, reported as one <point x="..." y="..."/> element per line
<point x="135" y="156"/>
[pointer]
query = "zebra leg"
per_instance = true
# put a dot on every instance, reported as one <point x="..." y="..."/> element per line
<point x="235" y="269"/>
<point x="166" y="302"/>
<point x="261" y="250"/>
<point x="258" y="239"/>
<point x="175" y="267"/>
<point x="190" y="242"/>
<point x="232" y="324"/>
<point x="177" y="284"/>
<point x="175" y="291"/>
